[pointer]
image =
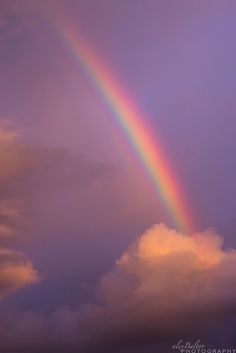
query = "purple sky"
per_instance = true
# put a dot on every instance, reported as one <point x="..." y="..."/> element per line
<point x="73" y="196"/>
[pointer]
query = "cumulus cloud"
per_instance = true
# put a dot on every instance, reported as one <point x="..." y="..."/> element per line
<point x="165" y="286"/>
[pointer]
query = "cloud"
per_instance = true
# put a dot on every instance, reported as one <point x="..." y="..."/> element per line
<point x="15" y="270"/>
<point x="165" y="286"/>
<point x="27" y="170"/>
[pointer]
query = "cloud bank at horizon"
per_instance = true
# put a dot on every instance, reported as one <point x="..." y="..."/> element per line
<point x="166" y="285"/>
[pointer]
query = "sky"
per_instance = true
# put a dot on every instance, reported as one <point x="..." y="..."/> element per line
<point x="117" y="175"/>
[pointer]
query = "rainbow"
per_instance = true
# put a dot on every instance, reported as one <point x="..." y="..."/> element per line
<point x="133" y="123"/>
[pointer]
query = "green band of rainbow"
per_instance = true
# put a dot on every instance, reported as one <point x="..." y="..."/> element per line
<point x="134" y="126"/>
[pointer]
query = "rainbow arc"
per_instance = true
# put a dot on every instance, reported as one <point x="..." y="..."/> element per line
<point x="134" y="125"/>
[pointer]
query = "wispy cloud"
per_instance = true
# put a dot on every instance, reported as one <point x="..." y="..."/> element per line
<point x="27" y="170"/>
